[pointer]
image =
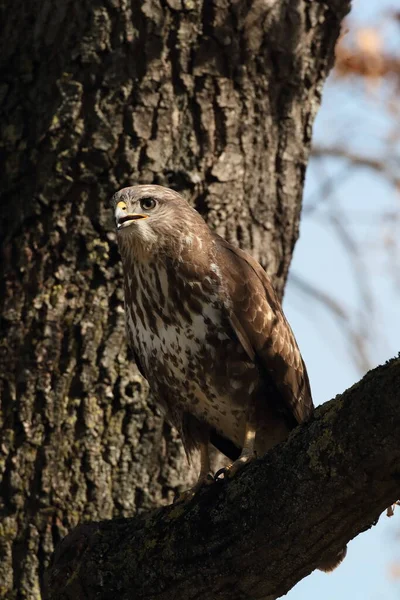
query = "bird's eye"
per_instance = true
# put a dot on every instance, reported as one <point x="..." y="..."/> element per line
<point x="147" y="203"/>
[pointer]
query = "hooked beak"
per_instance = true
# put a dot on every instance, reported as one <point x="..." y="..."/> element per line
<point x="124" y="219"/>
<point x="127" y="220"/>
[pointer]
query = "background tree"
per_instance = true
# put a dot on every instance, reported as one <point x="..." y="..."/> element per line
<point x="353" y="179"/>
<point x="215" y="99"/>
<point x="345" y="310"/>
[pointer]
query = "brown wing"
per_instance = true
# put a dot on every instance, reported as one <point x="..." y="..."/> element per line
<point x="259" y="323"/>
<point x="131" y="346"/>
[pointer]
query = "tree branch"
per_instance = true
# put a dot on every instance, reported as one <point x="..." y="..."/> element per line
<point x="358" y="160"/>
<point x="357" y="336"/>
<point x="259" y="534"/>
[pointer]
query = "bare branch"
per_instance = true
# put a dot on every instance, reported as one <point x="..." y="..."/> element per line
<point x="380" y="166"/>
<point x="356" y="339"/>
<point x="325" y="191"/>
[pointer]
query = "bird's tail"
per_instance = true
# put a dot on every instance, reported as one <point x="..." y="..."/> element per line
<point x="331" y="562"/>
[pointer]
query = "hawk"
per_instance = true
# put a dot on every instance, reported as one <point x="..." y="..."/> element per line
<point x="207" y="331"/>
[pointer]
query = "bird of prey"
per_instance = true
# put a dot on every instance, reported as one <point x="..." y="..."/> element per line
<point x="207" y="330"/>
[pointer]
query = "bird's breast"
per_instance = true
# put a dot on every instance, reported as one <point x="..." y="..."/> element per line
<point x="188" y="353"/>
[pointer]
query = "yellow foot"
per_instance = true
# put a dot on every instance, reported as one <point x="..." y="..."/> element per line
<point x="187" y="495"/>
<point x="231" y="470"/>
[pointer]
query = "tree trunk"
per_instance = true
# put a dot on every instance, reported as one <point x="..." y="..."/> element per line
<point x="215" y="99"/>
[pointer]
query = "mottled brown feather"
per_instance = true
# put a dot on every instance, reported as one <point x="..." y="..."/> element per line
<point x="261" y="327"/>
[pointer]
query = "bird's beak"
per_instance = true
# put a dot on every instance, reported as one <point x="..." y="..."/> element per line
<point x="123" y="218"/>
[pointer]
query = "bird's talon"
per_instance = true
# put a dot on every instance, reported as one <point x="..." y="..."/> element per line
<point x="236" y="466"/>
<point x="187" y="495"/>
<point x="223" y="471"/>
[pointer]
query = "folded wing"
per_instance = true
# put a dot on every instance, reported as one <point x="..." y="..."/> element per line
<point x="259" y="323"/>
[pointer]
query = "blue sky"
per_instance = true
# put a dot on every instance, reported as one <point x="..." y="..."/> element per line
<point x="361" y="199"/>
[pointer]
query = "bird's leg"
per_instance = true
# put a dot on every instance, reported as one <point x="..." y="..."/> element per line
<point x="205" y="475"/>
<point x="247" y="454"/>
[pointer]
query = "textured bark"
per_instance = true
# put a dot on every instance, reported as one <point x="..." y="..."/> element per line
<point x="216" y="99"/>
<point x="329" y="482"/>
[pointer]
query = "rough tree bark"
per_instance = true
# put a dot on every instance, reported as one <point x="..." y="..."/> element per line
<point x="256" y="536"/>
<point x="216" y="99"/>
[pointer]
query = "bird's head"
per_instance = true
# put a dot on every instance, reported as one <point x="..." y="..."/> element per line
<point x="152" y="220"/>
